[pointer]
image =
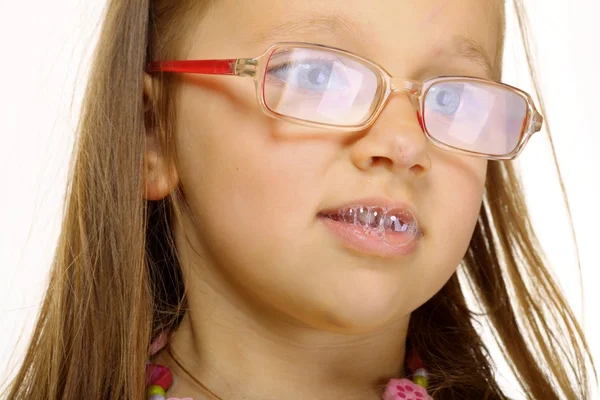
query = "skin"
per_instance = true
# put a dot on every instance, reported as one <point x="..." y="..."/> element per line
<point x="278" y="309"/>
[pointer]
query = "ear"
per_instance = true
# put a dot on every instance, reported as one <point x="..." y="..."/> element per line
<point x="160" y="177"/>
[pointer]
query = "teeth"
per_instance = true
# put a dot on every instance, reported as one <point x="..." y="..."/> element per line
<point x="350" y="216"/>
<point x="362" y="215"/>
<point x="378" y="220"/>
<point x="376" y="217"/>
<point x="397" y="225"/>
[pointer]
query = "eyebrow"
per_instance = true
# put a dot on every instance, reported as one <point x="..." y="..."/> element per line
<point x="471" y="50"/>
<point x="337" y="24"/>
<point x="344" y="26"/>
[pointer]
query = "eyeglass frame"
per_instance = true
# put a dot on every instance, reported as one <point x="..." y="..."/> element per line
<point x="256" y="68"/>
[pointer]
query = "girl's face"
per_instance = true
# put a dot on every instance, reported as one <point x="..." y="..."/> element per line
<point x="256" y="185"/>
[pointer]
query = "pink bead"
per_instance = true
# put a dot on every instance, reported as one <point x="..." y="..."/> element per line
<point x="161" y="375"/>
<point x="404" y="389"/>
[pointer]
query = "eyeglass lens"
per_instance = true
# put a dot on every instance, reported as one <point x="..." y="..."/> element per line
<point x="322" y="86"/>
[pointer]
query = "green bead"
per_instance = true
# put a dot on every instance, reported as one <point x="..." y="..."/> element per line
<point x="155" y="389"/>
<point x="421" y="381"/>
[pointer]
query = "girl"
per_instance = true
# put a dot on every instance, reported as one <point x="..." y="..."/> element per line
<point x="295" y="231"/>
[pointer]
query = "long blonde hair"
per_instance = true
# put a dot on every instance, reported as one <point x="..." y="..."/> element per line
<point x="116" y="283"/>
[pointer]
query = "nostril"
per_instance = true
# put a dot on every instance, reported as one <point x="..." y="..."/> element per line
<point x="417" y="169"/>
<point x="402" y="159"/>
<point x="379" y="160"/>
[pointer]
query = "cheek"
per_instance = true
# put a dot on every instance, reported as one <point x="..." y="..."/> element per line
<point x="454" y="207"/>
<point x="244" y="183"/>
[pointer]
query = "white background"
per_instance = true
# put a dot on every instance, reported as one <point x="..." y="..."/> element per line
<point x="44" y="46"/>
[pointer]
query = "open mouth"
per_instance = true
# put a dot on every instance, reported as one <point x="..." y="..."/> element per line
<point x="375" y="229"/>
<point x="374" y="218"/>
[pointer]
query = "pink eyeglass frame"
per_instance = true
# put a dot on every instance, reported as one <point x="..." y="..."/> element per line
<point x="416" y="90"/>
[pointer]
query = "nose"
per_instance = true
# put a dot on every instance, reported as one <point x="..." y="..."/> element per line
<point x="395" y="140"/>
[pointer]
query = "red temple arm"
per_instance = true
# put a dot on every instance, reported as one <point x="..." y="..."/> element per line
<point x="214" y="67"/>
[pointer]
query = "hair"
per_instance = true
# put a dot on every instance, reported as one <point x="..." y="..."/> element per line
<point x="116" y="283"/>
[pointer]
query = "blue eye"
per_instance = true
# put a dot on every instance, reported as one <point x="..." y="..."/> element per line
<point x="313" y="75"/>
<point x="444" y="98"/>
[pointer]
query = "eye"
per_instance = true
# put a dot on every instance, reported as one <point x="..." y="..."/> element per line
<point x="312" y="75"/>
<point x="444" y="98"/>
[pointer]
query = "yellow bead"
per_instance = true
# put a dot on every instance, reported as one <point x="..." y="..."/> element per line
<point x="421" y="381"/>
<point x="155" y="389"/>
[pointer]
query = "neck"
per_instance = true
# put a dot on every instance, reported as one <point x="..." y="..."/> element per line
<point x="240" y="353"/>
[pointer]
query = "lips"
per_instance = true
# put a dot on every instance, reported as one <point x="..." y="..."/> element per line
<point x="375" y="226"/>
<point x="395" y="220"/>
<point x="375" y="214"/>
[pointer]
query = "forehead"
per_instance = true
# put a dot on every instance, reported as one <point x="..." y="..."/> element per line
<point x="394" y="33"/>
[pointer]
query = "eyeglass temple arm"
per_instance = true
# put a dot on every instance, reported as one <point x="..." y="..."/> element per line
<point x="231" y="66"/>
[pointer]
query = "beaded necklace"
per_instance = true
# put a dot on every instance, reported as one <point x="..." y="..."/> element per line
<point x="159" y="379"/>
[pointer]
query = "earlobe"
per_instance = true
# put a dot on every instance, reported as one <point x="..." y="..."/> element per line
<point x="147" y="92"/>
<point x="160" y="178"/>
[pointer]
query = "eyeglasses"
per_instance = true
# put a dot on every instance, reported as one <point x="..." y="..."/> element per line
<point x="327" y="87"/>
